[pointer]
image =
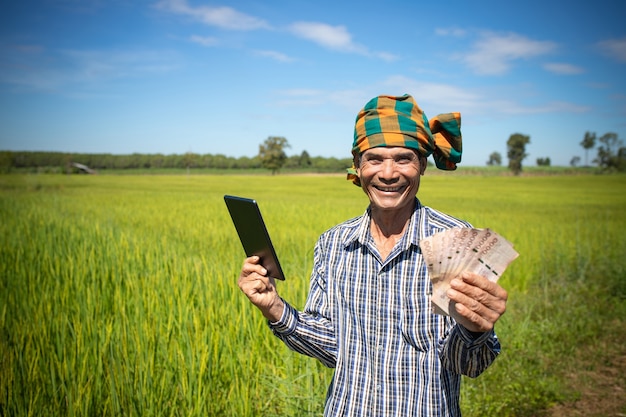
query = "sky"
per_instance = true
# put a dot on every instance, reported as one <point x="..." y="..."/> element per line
<point x="220" y="77"/>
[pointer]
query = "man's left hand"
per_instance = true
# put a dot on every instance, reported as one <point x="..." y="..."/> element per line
<point x="478" y="302"/>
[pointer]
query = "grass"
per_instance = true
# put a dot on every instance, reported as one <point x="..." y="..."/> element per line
<point x="118" y="294"/>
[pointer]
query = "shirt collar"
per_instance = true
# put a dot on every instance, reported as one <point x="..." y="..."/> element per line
<point x="361" y="233"/>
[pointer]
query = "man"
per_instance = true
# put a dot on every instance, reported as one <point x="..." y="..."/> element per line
<point x="368" y="312"/>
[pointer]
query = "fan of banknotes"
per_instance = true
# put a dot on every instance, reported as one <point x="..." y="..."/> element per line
<point x="447" y="254"/>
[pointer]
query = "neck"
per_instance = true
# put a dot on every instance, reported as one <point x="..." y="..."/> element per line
<point x="387" y="223"/>
<point x="387" y="229"/>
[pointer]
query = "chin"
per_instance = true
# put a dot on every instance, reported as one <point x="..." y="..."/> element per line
<point x="392" y="202"/>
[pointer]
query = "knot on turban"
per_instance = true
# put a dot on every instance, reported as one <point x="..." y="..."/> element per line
<point x="399" y="121"/>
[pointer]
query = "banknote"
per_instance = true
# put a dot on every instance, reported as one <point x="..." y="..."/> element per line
<point x="449" y="253"/>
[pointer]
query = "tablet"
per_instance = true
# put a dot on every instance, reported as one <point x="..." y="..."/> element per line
<point x="253" y="234"/>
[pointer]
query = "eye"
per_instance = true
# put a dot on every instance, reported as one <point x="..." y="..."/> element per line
<point x="373" y="160"/>
<point x="404" y="159"/>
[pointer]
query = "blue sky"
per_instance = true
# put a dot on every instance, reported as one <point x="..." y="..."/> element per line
<point x="172" y="76"/>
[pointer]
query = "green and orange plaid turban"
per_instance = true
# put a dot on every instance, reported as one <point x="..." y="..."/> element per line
<point x="399" y="121"/>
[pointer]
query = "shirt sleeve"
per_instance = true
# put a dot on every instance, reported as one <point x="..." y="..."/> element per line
<point x="310" y="332"/>
<point x="468" y="353"/>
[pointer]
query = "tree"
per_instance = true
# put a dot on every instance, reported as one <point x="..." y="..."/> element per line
<point x="189" y="160"/>
<point x="611" y="154"/>
<point x="6" y="162"/>
<point x="543" y="162"/>
<point x="621" y="159"/>
<point x="588" y="142"/>
<point x="272" y="153"/>
<point x="516" y="151"/>
<point x="574" y="161"/>
<point x="305" y="160"/>
<point x="495" y="159"/>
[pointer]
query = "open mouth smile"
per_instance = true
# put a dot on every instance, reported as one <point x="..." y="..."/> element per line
<point x="389" y="189"/>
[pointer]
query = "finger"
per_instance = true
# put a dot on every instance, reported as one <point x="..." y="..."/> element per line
<point x="251" y="265"/>
<point x="484" y="284"/>
<point x="487" y="293"/>
<point x="475" y="307"/>
<point x="255" y="285"/>
<point x="470" y="319"/>
<point x="252" y="259"/>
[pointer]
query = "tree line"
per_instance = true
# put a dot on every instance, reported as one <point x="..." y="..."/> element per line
<point x="611" y="156"/>
<point x="611" y="153"/>
<point x="67" y="162"/>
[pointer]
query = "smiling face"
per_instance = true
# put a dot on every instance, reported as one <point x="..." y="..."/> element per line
<point x="390" y="176"/>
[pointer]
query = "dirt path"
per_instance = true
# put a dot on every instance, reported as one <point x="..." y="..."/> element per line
<point x="602" y="386"/>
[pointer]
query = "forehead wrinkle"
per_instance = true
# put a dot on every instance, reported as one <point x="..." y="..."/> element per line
<point x="381" y="152"/>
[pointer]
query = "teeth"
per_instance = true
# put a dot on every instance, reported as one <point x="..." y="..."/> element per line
<point x="389" y="190"/>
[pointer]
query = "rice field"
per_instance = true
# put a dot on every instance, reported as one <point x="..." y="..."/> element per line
<point x="118" y="294"/>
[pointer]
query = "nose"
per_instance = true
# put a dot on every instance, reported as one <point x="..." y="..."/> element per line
<point x="388" y="169"/>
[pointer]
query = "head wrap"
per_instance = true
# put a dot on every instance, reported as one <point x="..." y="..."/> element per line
<point x="399" y="121"/>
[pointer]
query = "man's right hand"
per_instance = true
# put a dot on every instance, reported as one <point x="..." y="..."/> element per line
<point x="260" y="289"/>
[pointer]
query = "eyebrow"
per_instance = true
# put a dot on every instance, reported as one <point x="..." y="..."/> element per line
<point x="374" y="154"/>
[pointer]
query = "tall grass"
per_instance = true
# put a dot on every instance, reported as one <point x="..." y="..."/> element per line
<point x="118" y="294"/>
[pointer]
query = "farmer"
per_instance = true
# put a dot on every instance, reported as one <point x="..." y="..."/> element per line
<point x="368" y="312"/>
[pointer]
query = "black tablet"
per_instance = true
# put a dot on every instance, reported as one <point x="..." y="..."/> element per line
<point x="253" y="234"/>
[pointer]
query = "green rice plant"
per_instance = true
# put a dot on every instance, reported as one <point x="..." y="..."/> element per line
<point x="118" y="294"/>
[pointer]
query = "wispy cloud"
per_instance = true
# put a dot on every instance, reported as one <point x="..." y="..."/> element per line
<point x="514" y="108"/>
<point x="346" y="100"/>
<point x="117" y="64"/>
<point x="223" y="17"/>
<point x="448" y="97"/>
<point x="336" y="38"/>
<point x="331" y="37"/>
<point x="386" y="56"/>
<point x="494" y="54"/>
<point x="37" y="68"/>
<point x="453" y="31"/>
<point x="563" y="69"/>
<point x="204" y="40"/>
<point x="615" y="48"/>
<point x="306" y="97"/>
<point x="275" y="55"/>
<point x="437" y="94"/>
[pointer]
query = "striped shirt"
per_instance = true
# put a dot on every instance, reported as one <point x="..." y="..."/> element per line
<point x="372" y="321"/>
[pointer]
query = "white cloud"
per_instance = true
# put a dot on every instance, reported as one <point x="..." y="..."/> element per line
<point x="275" y="55"/>
<point x="331" y="37"/>
<point x="454" y="32"/>
<point x="493" y="54"/>
<point x="437" y="94"/>
<point x="336" y="38"/>
<point x="223" y="17"/>
<point x="41" y="69"/>
<point x="475" y="105"/>
<point x="333" y="101"/>
<point x="386" y="56"/>
<point x="438" y="97"/>
<point x="117" y="64"/>
<point x="514" y="108"/>
<point x="615" y="48"/>
<point x="204" y="40"/>
<point x="563" y="69"/>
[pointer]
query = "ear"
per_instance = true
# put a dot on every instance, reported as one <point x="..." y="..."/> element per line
<point x="423" y="164"/>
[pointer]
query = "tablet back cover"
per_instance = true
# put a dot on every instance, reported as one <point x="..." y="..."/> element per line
<point x="253" y="234"/>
